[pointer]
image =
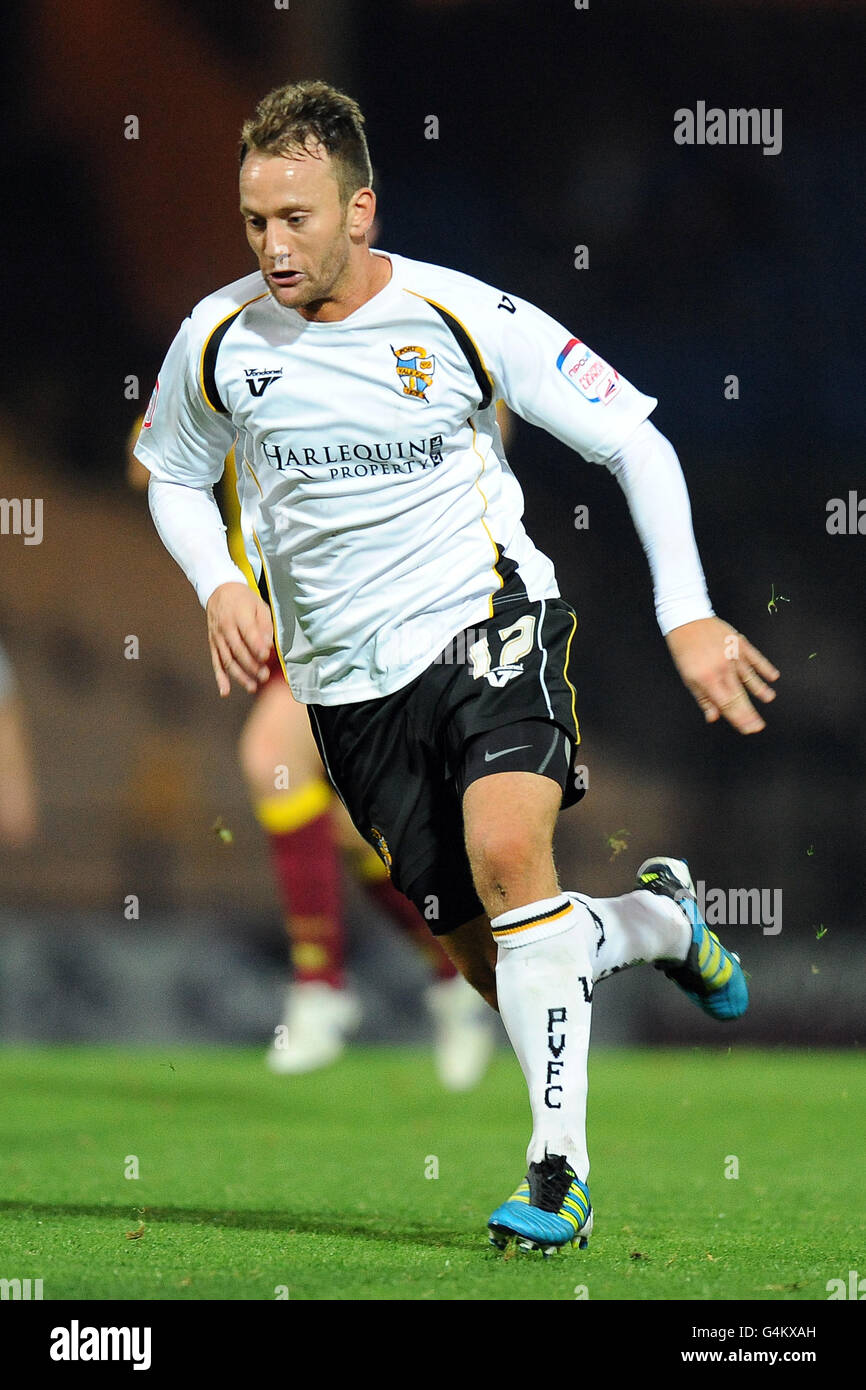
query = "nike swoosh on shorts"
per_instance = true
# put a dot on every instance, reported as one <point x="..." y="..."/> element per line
<point x="491" y="757"/>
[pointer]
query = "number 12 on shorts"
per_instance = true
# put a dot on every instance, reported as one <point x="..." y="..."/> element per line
<point x="517" y="641"/>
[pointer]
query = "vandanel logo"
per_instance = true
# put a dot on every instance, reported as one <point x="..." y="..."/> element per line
<point x="259" y="378"/>
<point x="415" y="370"/>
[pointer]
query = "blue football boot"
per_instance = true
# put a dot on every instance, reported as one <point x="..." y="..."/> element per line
<point x="550" y="1208"/>
<point x="711" y="976"/>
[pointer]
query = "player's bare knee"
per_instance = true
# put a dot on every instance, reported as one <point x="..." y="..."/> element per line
<point x="503" y="862"/>
<point x="498" y="847"/>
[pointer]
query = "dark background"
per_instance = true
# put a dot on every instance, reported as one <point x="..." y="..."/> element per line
<point x="555" y="129"/>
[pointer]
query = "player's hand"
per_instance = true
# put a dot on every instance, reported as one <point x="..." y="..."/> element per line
<point x="240" y="634"/>
<point x="722" y="670"/>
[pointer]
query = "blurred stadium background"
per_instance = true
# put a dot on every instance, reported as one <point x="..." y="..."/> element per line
<point x="555" y="130"/>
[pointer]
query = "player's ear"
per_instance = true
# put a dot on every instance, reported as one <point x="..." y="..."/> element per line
<point x="360" y="212"/>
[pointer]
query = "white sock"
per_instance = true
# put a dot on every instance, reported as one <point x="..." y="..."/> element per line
<point x="544" y="987"/>
<point x="635" y="928"/>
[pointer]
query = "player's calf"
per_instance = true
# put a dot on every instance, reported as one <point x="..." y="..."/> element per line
<point x="473" y="951"/>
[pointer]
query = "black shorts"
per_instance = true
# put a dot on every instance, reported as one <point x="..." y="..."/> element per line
<point x="401" y="763"/>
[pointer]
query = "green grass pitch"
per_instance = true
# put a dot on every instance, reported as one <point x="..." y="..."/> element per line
<point x="252" y="1186"/>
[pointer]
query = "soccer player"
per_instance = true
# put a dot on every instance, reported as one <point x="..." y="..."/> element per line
<point x="411" y="611"/>
<point x="308" y="832"/>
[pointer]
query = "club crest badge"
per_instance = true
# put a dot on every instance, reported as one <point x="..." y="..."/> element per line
<point x="415" y="371"/>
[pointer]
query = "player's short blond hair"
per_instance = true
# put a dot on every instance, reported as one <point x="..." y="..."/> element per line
<point x="301" y="115"/>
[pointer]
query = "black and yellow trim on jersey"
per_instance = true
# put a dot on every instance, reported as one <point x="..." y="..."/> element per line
<point x="483" y="495"/>
<point x="539" y="919"/>
<point x="210" y="352"/>
<point x="568" y="682"/>
<point x="228" y="500"/>
<point x="467" y="346"/>
<point x="264" y="583"/>
<point x="265" y="592"/>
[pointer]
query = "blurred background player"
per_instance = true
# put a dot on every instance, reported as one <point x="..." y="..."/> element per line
<point x="310" y="836"/>
<point x="18" y="819"/>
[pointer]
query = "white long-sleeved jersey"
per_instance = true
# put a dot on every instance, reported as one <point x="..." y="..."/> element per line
<point x="376" y="498"/>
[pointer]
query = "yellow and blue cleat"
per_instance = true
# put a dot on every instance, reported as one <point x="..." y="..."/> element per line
<point x="710" y="976"/>
<point x="550" y="1208"/>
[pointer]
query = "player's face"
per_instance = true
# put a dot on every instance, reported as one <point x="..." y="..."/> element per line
<point x="297" y="227"/>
